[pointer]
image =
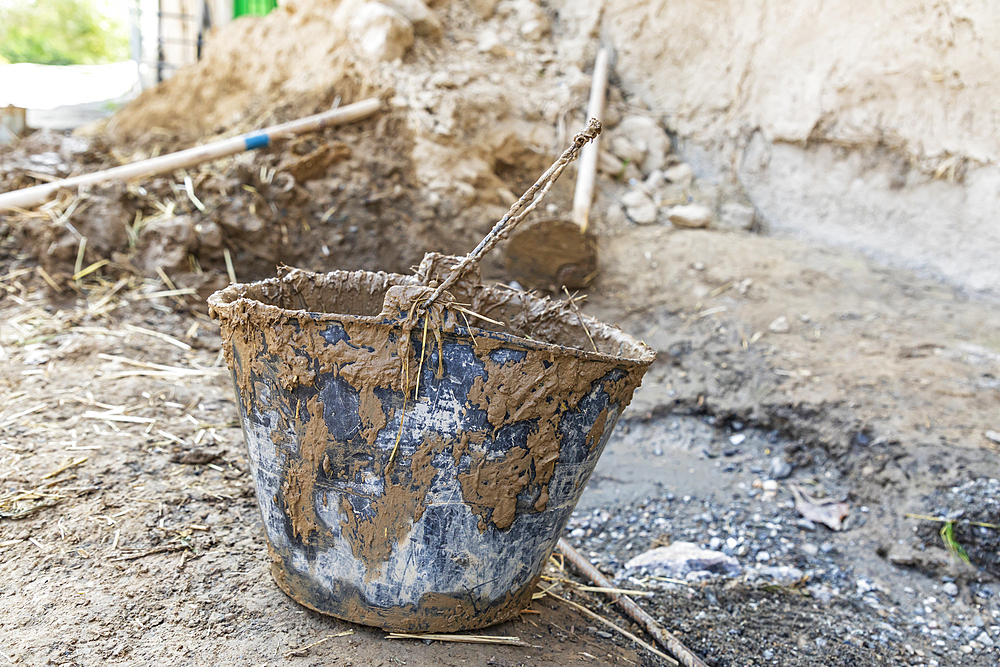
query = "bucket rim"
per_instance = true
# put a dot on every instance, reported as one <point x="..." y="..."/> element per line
<point x="224" y="303"/>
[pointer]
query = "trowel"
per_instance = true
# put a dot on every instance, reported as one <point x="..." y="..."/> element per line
<point x="555" y="253"/>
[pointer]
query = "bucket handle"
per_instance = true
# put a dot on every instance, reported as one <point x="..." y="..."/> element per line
<point x="521" y="208"/>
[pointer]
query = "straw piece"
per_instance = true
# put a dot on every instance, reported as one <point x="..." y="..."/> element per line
<point x="157" y="334"/>
<point x="461" y="639"/>
<point x="170" y="292"/>
<point x="176" y="370"/>
<point x="302" y="650"/>
<point x="597" y="617"/>
<point x="151" y="552"/>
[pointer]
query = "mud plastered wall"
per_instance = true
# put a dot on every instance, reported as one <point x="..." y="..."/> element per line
<point x="869" y="124"/>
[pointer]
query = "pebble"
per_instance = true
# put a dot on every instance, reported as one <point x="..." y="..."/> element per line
<point x="425" y="22"/>
<point x="626" y="150"/>
<point x="639" y="207"/>
<point x="780" y="468"/>
<point x="779" y="325"/>
<point x="645" y="133"/>
<point x="679" y="173"/>
<point x="783" y="575"/>
<point x="763" y="556"/>
<point x="692" y="216"/>
<point x="809" y="549"/>
<point x="737" y="439"/>
<point x="733" y="215"/>
<point x="381" y="32"/>
<point x="950" y="589"/>
<point x="489" y="42"/>
<point x="484" y="8"/>
<point x="680" y="558"/>
<point x="984" y="639"/>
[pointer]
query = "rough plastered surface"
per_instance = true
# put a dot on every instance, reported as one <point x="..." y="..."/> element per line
<point x="416" y="479"/>
<point x="872" y="126"/>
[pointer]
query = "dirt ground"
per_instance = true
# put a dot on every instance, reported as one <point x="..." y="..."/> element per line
<point x="129" y="532"/>
<point x="149" y="545"/>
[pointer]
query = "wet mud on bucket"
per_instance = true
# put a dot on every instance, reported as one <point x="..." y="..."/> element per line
<point x="415" y="468"/>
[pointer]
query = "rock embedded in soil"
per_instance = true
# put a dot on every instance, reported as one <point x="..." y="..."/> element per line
<point x="639" y="207"/>
<point x="693" y="216"/>
<point x="425" y="21"/>
<point x="484" y="8"/>
<point x="645" y="134"/>
<point x="381" y="32"/>
<point x="682" y="558"/>
<point x="779" y="325"/>
<point x="680" y="173"/>
<point x="733" y="215"/>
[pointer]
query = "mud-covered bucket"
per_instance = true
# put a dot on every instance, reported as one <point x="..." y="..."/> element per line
<point x="417" y="477"/>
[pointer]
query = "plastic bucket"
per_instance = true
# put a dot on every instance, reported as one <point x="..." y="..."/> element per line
<point x="416" y="478"/>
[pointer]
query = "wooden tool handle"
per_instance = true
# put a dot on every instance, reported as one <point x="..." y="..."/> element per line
<point x="588" y="156"/>
<point x="29" y="197"/>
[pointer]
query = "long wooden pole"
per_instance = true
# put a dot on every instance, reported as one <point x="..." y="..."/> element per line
<point x="35" y="195"/>
<point x="584" y="194"/>
<point x="662" y="637"/>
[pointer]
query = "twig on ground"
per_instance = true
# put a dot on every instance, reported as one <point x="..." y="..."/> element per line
<point x="462" y="639"/>
<point x="302" y="650"/>
<point x="634" y="611"/>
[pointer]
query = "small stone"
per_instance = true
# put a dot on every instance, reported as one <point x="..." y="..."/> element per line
<point x="679" y="173"/>
<point x="984" y="639"/>
<point x="654" y="181"/>
<point x="425" y="22"/>
<point x="535" y="29"/>
<point x="779" y="325"/>
<point x="577" y="533"/>
<point x="783" y="575"/>
<point x="682" y="558"/>
<point x="769" y="485"/>
<point x="625" y="150"/>
<point x="484" y="8"/>
<point x="993" y="436"/>
<point x="965" y="649"/>
<point x="763" y="556"/>
<point x="780" y="469"/>
<point x="806" y="524"/>
<point x="690" y="215"/>
<point x="646" y="134"/>
<point x="381" y="32"/>
<point x="950" y="589"/>
<point x="657" y="451"/>
<point x="715" y="543"/>
<point x="810" y="549"/>
<point x="607" y="163"/>
<point x="736" y="216"/>
<point x="767" y="654"/>
<point x="737" y="439"/>
<point x="489" y="42"/>
<point x="639" y="207"/>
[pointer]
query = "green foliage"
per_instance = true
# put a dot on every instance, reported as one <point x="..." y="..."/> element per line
<point x="948" y="536"/>
<point x="62" y="32"/>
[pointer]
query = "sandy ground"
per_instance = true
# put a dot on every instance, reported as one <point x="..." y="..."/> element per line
<point x="149" y="546"/>
<point x="129" y="532"/>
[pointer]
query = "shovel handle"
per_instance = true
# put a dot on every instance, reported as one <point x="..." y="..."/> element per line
<point x="584" y="194"/>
